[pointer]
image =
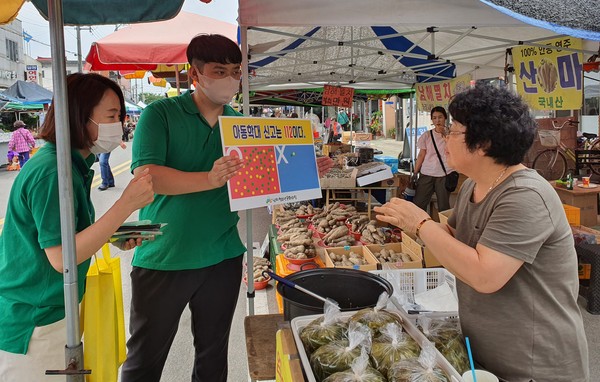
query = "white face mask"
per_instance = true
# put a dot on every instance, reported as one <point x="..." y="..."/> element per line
<point x="220" y="91"/>
<point x="109" y="137"/>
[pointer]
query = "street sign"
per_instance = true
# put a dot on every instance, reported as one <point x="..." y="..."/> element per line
<point x="32" y="75"/>
<point x="32" y="67"/>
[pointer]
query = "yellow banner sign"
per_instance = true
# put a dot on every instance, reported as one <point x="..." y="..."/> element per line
<point x="550" y="78"/>
<point x="430" y="95"/>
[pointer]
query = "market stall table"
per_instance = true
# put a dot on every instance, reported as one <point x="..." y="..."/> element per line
<point x="586" y="199"/>
<point x="261" y="331"/>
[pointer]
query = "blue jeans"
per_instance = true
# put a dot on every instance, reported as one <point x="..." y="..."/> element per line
<point x="23" y="158"/>
<point x="105" y="173"/>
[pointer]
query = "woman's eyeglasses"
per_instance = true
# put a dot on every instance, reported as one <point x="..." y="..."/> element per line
<point x="449" y="132"/>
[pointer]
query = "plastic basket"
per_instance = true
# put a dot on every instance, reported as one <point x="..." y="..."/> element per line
<point x="549" y="138"/>
<point x="415" y="281"/>
<point x="298" y="323"/>
<point x="573" y="214"/>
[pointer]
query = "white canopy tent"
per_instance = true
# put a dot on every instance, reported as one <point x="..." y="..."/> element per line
<point x="380" y="44"/>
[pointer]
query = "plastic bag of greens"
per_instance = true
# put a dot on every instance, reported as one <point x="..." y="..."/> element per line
<point x="448" y="339"/>
<point x="323" y="330"/>
<point x="376" y="318"/>
<point x="422" y="369"/>
<point x="392" y="346"/>
<point x="338" y="355"/>
<point x="361" y="371"/>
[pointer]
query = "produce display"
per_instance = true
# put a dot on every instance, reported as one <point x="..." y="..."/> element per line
<point x="448" y="339"/>
<point x="376" y="318"/>
<point x="390" y="256"/>
<point x="259" y="266"/>
<point x="360" y="371"/>
<point x="350" y="351"/>
<point x="338" y="237"/>
<point x="358" y="223"/>
<point x="338" y="355"/>
<point x="392" y="346"/>
<point x="307" y="210"/>
<point x="331" y="217"/>
<point x="372" y="234"/>
<point x="348" y="260"/>
<point x="323" y="330"/>
<point x="298" y="243"/>
<point x="420" y="369"/>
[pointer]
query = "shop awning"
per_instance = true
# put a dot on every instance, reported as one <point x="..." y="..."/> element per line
<point x="86" y="12"/>
<point x="144" y="46"/>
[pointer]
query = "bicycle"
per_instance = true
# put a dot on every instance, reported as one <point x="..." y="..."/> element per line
<point x="551" y="163"/>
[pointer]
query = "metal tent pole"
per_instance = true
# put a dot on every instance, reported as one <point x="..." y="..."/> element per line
<point x="415" y="127"/>
<point x="74" y="348"/>
<point x="249" y="241"/>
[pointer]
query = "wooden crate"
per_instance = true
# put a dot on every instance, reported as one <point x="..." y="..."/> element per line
<point x="371" y="260"/>
<point x="417" y="259"/>
<point x="429" y="260"/>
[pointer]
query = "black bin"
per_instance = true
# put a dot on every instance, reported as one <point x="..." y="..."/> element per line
<point x="352" y="289"/>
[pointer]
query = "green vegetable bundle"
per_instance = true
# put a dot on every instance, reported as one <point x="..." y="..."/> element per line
<point x="392" y="346"/>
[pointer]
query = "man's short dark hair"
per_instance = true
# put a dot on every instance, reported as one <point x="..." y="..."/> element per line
<point x="84" y="92"/>
<point x="213" y="48"/>
<point x="497" y="121"/>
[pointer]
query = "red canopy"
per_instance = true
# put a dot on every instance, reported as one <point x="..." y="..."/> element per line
<point x="143" y="46"/>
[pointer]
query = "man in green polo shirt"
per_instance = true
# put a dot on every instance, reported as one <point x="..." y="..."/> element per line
<point x="198" y="259"/>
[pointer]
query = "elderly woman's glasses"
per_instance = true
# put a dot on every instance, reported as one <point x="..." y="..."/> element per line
<point x="449" y="132"/>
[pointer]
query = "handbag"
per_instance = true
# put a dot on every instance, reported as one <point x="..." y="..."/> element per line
<point x="451" y="179"/>
<point x="103" y="320"/>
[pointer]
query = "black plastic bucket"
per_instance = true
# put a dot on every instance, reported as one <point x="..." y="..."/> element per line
<point x="352" y="289"/>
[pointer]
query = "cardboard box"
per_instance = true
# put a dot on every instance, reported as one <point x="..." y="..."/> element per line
<point x="348" y="136"/>
<point x="395" y="181"/>
<point x="332" y="148"/>
<point x="444" y="215"/>
<point x="288" y="367"/>
<point x="411" y="242"/>
<point x="338" y="178"/>
<point x="374" y="177"/>
<point x="397" y="247"/>
<point x="371" y="260"/>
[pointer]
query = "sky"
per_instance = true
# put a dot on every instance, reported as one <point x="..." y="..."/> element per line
<point x="35" y="25"/>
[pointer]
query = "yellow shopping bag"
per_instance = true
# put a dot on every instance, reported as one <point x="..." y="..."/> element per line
<point x="103" y="320"/>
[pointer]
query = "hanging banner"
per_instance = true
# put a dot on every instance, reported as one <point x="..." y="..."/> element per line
<point x="430" y="95"/>
<point x="337" y="96"/>
<point x="280" y="165"/>
<point x="550" y="78"/>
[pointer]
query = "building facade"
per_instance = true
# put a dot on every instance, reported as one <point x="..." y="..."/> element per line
<point x="12" y="58"/>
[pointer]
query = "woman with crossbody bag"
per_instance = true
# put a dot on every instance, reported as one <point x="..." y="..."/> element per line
<point x="431" y="165"/>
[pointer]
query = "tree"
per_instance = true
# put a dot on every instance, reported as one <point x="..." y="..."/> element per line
<point x="148" y="98"/>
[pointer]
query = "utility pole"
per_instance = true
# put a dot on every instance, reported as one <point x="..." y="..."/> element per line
<point x="79" y="60"/>
<point x="79" y="63"/>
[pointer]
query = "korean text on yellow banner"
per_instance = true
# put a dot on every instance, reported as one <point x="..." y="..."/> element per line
<point x="280" y="165"/>
<point x="430" y="95"/>
<point x="550" y="78"/>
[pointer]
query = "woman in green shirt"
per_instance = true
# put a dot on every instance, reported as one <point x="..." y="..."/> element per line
<point x="32" y="329"/>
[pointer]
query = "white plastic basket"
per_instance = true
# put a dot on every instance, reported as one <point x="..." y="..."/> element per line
<point x="414" y="281"/>
<point x="299" y="323"/>
<point x="549" y="138"/>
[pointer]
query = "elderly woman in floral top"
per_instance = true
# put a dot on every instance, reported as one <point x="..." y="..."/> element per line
<point x="21" y="141"/>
